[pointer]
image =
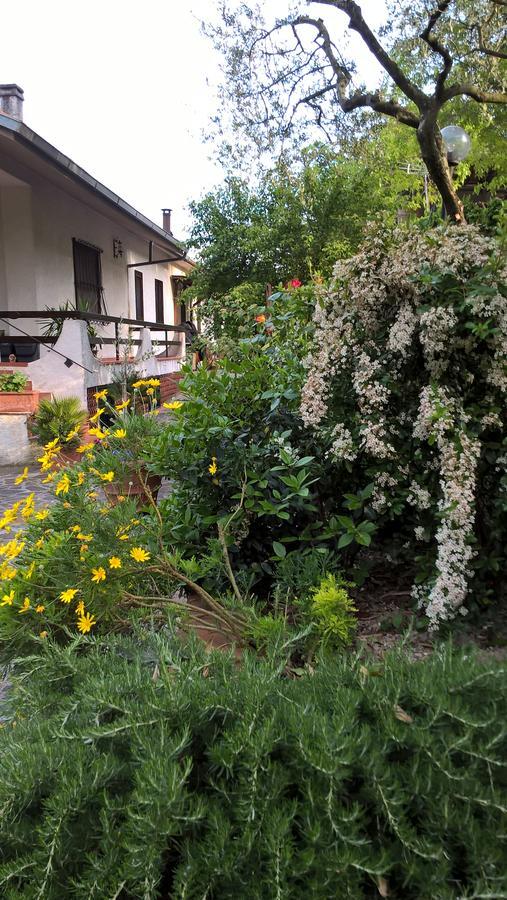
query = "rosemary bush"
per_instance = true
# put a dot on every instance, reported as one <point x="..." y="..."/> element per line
<point x="132" y="768"/>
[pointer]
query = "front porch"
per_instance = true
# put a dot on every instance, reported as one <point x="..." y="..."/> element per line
<point x="81" y="357"/>
<point x="79" y="360"/>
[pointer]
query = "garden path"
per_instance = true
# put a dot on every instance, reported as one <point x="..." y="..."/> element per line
<point x="10" y="492"/>
<point x="44" y="495"/>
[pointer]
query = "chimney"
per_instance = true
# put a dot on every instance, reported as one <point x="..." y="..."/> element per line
<point x="11" y="101"/>
<point x="166" y="220"/>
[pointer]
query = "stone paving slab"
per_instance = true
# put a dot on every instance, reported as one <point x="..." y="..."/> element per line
<point x="10" y="492"/>
<point x="44" y="493"/>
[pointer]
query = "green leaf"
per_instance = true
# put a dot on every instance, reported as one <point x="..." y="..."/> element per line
<point x="279" y="549"/>
<point x="345" y="540"/>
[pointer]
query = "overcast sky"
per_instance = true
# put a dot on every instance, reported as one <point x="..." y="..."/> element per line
<point x="125" y="89"/>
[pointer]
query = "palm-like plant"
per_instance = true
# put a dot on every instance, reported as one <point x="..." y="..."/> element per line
<point x="57" y="418"/>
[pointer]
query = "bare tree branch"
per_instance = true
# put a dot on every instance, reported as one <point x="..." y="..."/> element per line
<point x="471" y="90"/>
<point x="357" y="23"/>
<point x="489" y="51"/>
<point x="342" y="75"/>
<point x="437" y="46"/>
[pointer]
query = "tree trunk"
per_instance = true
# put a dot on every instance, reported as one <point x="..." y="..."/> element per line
<point x="435" y="157"/>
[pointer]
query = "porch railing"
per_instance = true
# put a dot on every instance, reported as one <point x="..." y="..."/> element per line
<point x="60" y="315"/>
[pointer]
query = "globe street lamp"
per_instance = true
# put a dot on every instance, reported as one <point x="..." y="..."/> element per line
<point x="458" y="145"/>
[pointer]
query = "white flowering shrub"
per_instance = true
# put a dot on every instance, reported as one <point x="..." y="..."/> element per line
<point x="407" y="388"/>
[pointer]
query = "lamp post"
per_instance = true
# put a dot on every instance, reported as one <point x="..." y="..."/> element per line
<point x="458" y="145"/>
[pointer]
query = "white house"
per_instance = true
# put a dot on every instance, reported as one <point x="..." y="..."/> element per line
<point x="67" y="239"/>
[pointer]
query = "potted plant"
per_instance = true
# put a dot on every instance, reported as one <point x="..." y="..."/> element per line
<point x="61" y="419"/>
<point x="13" y="382"/>
<point x="52" y="328"/>
<point x="122" y="457"/>
<point x="16" y="394"/>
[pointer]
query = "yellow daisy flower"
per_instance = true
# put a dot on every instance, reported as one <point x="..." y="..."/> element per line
<point x="122" y="405"/>
<point x="85" y="447"/>
<point x="98" y="574"/>
<point x="21" y="478"/>
<point x="80" y="608"/>
<point x="86" y="622"/>
<point x="7" y="599"/>
<point x="96" y="416"/>
<point x="40" y="608"/>
<point x="107" y="476"/>
<point x="175" y="404"/>
<point x="43" y="634"/>
<point x="115" y="562"/>
<point x="139" y="554"/>
<point x="68" y="595"/>
<point x="213" y="468"/>
<point x="63" y="485"/>
<point x="120" y="433"/>
<point x="100" y="395"/>
<point x="72" y="434"/>
<point x="25" y="606"/>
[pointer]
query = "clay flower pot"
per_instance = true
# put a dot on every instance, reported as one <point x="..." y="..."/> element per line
<point x="133" y="488"/>
<point x="20" y="401"/>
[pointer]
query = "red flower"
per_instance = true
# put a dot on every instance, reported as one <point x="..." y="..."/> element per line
<point x="295" y="283"/>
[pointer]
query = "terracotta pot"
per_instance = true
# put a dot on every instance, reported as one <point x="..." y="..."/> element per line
<point x="67" y="457"/>
<point x="20" y="401"/>
<point x="133" y="488"/>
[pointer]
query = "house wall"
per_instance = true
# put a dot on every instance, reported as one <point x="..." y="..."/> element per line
<point x="19" y="261"/>
<point x="37" y="224"/>
<point x="58" y="219"/>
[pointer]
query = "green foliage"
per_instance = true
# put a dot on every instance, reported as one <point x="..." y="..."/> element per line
<point x="333" y="609"/>
<point x="14" y="382"/>
<point x="133" y="768"/>
<point x="61" y="548"/>
<point x="267" y="631"/>
<point x="235" y="450"/>
<point x="295" y="222"/>
<point x="129" y="442"/>
<point x="56" y="418"/>
<point x="52" y="328"/>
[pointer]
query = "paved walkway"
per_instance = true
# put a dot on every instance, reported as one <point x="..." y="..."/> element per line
<point x="44" y="493"/>
<point x="10" y="492"/>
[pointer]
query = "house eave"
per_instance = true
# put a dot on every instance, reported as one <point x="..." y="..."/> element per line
<point x="29" y="138"/>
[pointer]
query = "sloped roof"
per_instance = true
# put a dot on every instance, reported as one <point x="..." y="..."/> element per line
<point x="23" y="134"/>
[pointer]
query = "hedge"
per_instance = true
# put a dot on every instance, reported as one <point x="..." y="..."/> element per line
<point x="133" y="769"/>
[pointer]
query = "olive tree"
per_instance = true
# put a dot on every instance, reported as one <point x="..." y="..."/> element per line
<point x="282" y="75"/>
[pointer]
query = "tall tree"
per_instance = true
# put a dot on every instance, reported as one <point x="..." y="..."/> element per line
<point x="296" y="221"/>
<point x="282" y="75"/>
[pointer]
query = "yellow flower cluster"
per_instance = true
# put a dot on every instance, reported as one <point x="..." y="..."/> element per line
<point x="146" y="382"/>
<point x="175" y="404"/>
<point x="51" y="451"/>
